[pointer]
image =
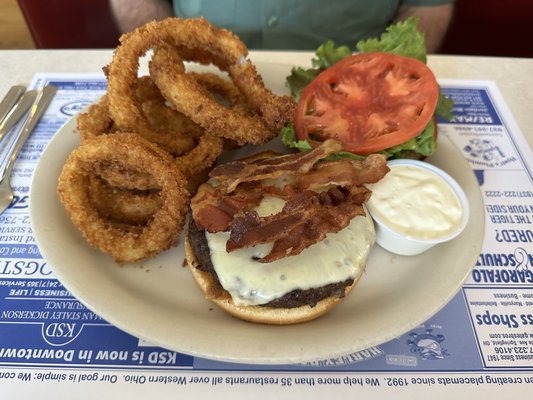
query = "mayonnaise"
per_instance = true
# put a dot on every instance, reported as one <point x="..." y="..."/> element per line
<point x="415" y="202"/>
<point x="339" y="257"/>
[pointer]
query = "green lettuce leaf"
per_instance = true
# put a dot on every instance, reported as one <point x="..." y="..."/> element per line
<point x="422" y="145"/>
<point x="288" y="138"/>
<point x="444" y="107"/>
<point x="299" y="79"/>
<point x="327" y="54"/>
<point x="403" y="38"/>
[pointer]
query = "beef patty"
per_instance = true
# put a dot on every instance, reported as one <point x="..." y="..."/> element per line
<point x="296" y="298"/>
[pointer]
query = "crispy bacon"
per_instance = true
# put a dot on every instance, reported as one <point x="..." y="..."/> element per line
<point x="304" y="220"/>
<point x="345" y="172"/>
<point x="213" y="210"/>
<point x="212" y="219"/>
<point x="321" y="197"/>
<point x="230" y="175"/>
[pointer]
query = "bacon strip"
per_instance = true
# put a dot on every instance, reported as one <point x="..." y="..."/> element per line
<point x="321" y="197"/>
<point x="304" y="220"/>
<point x="230" y="175"/>
<point x="345" y="172"/>
<point x="213" y="210"/>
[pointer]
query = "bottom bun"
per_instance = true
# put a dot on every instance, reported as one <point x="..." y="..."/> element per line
<point x="260" y="314"/>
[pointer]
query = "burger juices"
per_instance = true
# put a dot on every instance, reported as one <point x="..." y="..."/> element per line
<point x="281" y="239"/>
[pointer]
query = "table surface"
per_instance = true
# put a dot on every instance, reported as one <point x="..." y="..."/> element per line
<point x="513" y="76"/>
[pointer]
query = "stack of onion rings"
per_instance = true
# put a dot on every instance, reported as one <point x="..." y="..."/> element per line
<point x="175" y="40"/>
<point x="151" y="140"/>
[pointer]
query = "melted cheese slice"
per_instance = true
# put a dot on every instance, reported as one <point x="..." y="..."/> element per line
<point x="339" y="257"/>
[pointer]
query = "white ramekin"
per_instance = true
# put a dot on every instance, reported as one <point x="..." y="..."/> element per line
<point x="402" y="244"/>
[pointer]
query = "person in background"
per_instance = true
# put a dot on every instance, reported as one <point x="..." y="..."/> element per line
<point x="295" y="24"/>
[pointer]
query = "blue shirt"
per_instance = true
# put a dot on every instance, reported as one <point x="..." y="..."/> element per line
<point x="298" y="24"/>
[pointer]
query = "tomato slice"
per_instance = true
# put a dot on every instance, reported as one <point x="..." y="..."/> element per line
<point x="369" y="102"/>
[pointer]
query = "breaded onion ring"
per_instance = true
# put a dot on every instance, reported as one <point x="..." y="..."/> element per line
<point x="196" y="40"/>
<point x="130" y="179"/>
<point x="191" y="164"/>
<point x="186" y="94"/>
<point x="95" y="120"/>
<point x="175" y="142"/>
<point x="201" y="157"/>
<point x="276" y="111"/>
<point x="131" y="152"/>
<point x="160" y="115"/>
<point x="146" y="89"/>
<point x="197" y="159"/>
<point x="122" y="205"/>
<point x="121" y="178"/>
<point x="223" y="90"/>
<point x="200" y="153"/>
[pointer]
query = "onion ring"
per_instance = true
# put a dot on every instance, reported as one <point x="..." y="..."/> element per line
<point x="159" y="115"/>
<point x="130" y="179"/>
<point x="186" y="94"/>
<point x="95" y="120"/>
<point x="201" y="157"/>
<point x="276" y="111"/>
<point x="131" y="152"/>
<point x="222" y="88"/>
<point x="175" y="142"/>
<point x="146" y="89"/>
<point x="191" y="164"/>
<point x="121" y="205"/>
<point x="121" y="178"/>
<point x="199" y="41"/>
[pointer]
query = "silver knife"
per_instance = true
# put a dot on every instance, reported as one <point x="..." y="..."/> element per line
<point x="45" y="96"/>
<point x="17" y="112"/>
<point x="10" y="100"/>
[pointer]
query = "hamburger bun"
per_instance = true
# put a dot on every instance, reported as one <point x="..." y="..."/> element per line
<point x="264" y="314"/>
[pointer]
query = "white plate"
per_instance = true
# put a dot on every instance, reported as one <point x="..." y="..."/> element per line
<point x="160" y="302"/>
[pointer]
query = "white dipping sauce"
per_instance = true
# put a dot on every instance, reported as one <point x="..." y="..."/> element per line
<point x="339" y="257"/>
<point x="415" y="202"/>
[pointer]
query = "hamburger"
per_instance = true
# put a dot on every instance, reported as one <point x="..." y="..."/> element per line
<point x="282" y="238"/>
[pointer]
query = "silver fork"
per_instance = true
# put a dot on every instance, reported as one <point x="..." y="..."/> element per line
<point x="36" y="112"/>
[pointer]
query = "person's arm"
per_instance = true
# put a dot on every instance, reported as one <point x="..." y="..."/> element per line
<point x="129" y="14"/>
<point x="433" y="21"/>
